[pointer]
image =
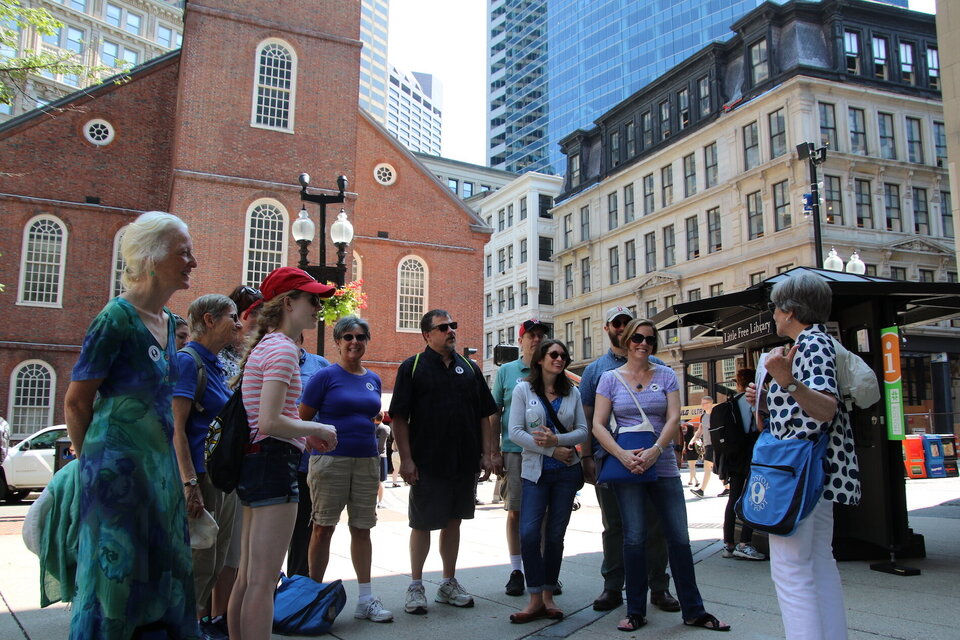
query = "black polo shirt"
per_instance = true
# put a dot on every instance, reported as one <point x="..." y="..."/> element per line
<point x="443" y="406"/>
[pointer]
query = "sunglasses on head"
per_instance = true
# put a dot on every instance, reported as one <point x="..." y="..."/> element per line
<point x="616" y="323"/>
<point x="359" y="337"/>
<point x="557" y="355"/>
<point x="638" y="338"/>
<point x="446" y="326"/>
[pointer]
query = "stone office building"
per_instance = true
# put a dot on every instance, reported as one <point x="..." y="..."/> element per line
<point x="692" y="187"/>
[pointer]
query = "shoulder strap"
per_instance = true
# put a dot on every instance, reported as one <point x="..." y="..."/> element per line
<point x="548" y="407"/>
<point x="201" y="378"/>
<point x="416" y="360"/>
<point x="631" y="394"/>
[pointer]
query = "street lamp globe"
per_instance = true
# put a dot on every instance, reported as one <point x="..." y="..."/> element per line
<point x="303" y="228"/>
<point x="833" y="261"/>
<point x="855" y="265"/>
<point x="341" y="231"/>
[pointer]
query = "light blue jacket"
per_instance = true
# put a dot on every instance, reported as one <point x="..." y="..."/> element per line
<point x="570" y="414"/>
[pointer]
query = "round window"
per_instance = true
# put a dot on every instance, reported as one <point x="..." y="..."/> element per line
<point x="385" y="174"/>
<point x="98" y="132"/>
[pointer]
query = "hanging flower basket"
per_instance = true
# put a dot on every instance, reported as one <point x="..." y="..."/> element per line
<point x="346" y="301"/>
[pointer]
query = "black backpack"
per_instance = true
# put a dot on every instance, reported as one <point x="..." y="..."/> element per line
<point x="732" y="447"/>
<point x="226" y="443"/>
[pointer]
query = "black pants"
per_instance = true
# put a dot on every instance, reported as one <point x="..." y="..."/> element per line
<point x="730" y="517"/>
<point x="297" y="561"/>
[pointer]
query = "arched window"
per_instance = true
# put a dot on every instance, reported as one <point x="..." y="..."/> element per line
<point x="32" y="387"/>
<point x="411" y="293"/>
<point x="266" y="240"/>
<point x="274" y="90"/>
<point x="119" y="264"/>
<point x="357" y="269"/>
<point x="43" y="259"/>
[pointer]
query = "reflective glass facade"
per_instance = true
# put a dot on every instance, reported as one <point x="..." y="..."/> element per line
<point x="556" y="65"/>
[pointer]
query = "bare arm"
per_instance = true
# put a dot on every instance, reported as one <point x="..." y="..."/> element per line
<point x="274" y="423"/>
<point x="601" y="416"/>
<point x="490" y="444"/>
<point x="78" y="407"/>
<point x="401" y="438"/>
<point x="586" y="459"/>
<point x="181" y="446"/>
<point x="496" y="425"/>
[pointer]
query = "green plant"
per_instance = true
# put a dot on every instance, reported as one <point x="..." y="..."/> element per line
<point x="346" y="301"/>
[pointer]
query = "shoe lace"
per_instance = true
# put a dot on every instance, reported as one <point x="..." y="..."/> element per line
<point x="454" y="586"/>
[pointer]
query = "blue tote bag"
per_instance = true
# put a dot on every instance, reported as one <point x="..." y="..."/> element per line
<point x="640" y="436"/>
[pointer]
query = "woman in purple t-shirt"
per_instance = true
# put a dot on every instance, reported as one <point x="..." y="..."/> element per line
<point x="622" y="392"/>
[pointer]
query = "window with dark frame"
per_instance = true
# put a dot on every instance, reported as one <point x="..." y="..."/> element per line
<point x="778" y="133"/>
<point x="921" y="212"/>
<point x="523" y="208"/>
<point x="669" y="246"/>
<point x="501" y="300"/>
<point x="545" y="295"/>
<point x="833" y="202"/>
<point x="628" y="206"/>
<point x="567" y="281"/>
<point x="614" y="148"/>
<point x="828" y="125"/>
<point x="693" y="237"/>
<point x="568" y="231"/>
<point x="523" y="250"/>
<point x="630" y="259"/>
<point x="614" y="260"/>
<point x="648" y="202"/>
<point x="858" y="131"/>
<point x="585" y="275"/>
<point x="933" y="67"/>
<point x="650" y="252"/>
<point x="524" y="294"/>
<point x="613" y="216"/>
<point x="851" y="50"/>
<point x="898" y="273"/>
<point x="666" y="185"/>
<point x="703" y="95"/>
<point x="683" y="104"/>
<point x="908" y="70"/>
<point x="587" y="340"/>
<point x="585" y="223"/>
<point x="545" y="204"/>
<point x="546" y="248"/>
<point x="754" y="216"/>
<point x="914" y="140"/>
<point x="880" y="59"/>
<point x="759" y="64"/>
<point x="573" y="168"/>
<point x="864" y="205"/>
<point x="630" y="134"/>
<point x="714" y="230"/>
<point x="751" y="146"/>
<point x="940" y="143"/>
<point x="781" y="206"/>
<point x="665" y="129"/>
<point x="646" y="129"/>
<point x="689" y="175"/>
<point x="710" y="175"/>
<point x="946" y="214"/>
<point x="926" y="275"/>
<point x="888" y="140"/>
<point x="891" y="207"/>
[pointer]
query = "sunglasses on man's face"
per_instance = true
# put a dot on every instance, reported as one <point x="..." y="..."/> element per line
<point x="637" y="338"/>
<point x="359" y="337"/>
<point x="446" y="326"/>
<point x="616" y="323"/>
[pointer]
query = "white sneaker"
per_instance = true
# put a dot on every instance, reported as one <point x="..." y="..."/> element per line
<point x="727" y="551"/>
<point x="416" y="600"/>
<point x="450" y="592"/>
<point x="372" y="610"/>
<point x="747" y="552"/>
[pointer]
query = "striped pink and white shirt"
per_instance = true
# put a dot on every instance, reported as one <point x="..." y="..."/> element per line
<point x="276" y="357"/>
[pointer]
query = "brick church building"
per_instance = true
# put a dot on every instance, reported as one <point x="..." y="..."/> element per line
<point x="217" y="133"/>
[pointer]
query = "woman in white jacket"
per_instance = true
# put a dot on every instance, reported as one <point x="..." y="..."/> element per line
<point x="547" y="420"/>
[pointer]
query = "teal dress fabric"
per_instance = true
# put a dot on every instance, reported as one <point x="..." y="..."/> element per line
<point x="134" y="564"/>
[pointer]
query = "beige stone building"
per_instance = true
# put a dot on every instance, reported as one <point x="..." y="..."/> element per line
<point x="693" y="187"/>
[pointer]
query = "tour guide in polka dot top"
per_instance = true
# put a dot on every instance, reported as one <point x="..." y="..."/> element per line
<point x="802" y="401"/>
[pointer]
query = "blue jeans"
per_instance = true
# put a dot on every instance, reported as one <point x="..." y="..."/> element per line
<point x="551" y="497"/>
<point x="667" y="497"/>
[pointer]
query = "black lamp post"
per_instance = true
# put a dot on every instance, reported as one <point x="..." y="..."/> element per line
<point x="815" y="157"/>
<point x="341" y="233"/>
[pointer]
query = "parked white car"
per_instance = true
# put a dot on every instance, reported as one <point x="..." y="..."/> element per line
<point x="29" y="465"/>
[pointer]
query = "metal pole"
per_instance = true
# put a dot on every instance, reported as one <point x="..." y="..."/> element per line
<point x="815" y="193"/>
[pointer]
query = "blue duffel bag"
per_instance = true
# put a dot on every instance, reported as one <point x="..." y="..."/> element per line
<point x="303" y="607"/>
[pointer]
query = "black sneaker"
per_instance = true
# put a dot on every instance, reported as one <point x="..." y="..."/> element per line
<point x="724" y="493"/>
<point x="209" y="630"/>
<point x="559" y="590"/>
<point x="515" y="585"/>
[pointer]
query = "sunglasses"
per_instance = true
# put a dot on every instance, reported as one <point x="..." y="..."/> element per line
<point x="638" y="338"/>
<point x="772" y="306"/>
<point x="443" y="328"/>
<point x="616" y="323"/>
<point x="235" y="317"/>
<point x="359" y="337"/>
<point x="557" y="355"/>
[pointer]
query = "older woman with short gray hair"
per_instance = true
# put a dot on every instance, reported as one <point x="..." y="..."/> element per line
<point x="346" y="395"/>
<point x="200" y="394"/>
<point x="802" y="402"/>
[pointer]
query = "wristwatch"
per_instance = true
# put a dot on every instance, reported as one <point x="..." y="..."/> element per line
<point x="790" y="388"/>
<point x="192" y="482"/>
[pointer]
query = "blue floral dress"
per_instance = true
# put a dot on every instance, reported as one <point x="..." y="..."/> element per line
<point x="134" y="564"/>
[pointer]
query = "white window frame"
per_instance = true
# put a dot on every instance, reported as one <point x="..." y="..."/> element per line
<point x="357" y="267"/>
<point x="64" y="243"/>
<point x="247" y="239"/>
<point x="116" y="283"/>
<point x="292" y="91"/>
<point x="426" y="292"/>
<point x="15" y="429"/>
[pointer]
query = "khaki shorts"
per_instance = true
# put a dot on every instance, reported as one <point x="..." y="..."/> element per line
<point x="511" y="486"/>
<point x="338" y="481"/>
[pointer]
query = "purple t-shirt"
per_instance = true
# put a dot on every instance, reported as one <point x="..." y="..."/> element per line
<point x="349" y="402"/>
<point x="653" y="399"/>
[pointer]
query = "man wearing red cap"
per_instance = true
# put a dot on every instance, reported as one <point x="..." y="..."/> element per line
<point x="531" y="333"/>
<point x="441" y="412"/>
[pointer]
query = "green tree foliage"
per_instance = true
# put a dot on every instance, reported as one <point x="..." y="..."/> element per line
<point x="15" y="70"/>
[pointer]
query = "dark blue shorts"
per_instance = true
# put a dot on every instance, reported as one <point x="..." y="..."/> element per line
<point x="269" y="474"/>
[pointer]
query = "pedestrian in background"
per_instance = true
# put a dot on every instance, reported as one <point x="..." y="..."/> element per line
<point x="134" y="567"/>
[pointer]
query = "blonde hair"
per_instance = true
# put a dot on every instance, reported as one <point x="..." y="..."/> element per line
<point x="145" y="241"/>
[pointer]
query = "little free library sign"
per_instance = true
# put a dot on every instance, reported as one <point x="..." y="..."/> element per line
<point x="747" y="330"/>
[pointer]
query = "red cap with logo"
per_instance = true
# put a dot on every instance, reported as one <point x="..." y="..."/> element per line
<point x="531" y="324"/>
<point x="286" y="279"/>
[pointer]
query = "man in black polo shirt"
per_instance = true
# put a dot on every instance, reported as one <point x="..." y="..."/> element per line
<point x="441" y="412"/>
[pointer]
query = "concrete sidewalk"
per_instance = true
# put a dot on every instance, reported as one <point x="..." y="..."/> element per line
<point x="739" y="592"/>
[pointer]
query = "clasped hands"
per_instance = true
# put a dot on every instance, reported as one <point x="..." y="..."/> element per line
<point x="638" y="460"/>
<point x="544" y="437"/>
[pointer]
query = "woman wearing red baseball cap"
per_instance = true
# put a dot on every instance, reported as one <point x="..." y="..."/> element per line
<point x="268" y="487"/>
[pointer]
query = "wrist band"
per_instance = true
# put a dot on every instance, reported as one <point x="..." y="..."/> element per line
<point x="659" y="448"/>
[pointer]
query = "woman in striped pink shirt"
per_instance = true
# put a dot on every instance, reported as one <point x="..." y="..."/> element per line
<point x="268" y="487"/>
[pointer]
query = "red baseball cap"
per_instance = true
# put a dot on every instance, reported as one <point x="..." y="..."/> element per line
<point x="292" y="279"/>
<point x="531" y="324"/>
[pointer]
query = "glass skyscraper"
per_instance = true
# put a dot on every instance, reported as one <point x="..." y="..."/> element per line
<point x="556" y="65"/>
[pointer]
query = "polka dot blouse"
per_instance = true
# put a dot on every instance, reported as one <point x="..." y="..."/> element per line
<point x="815" y="366"/>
